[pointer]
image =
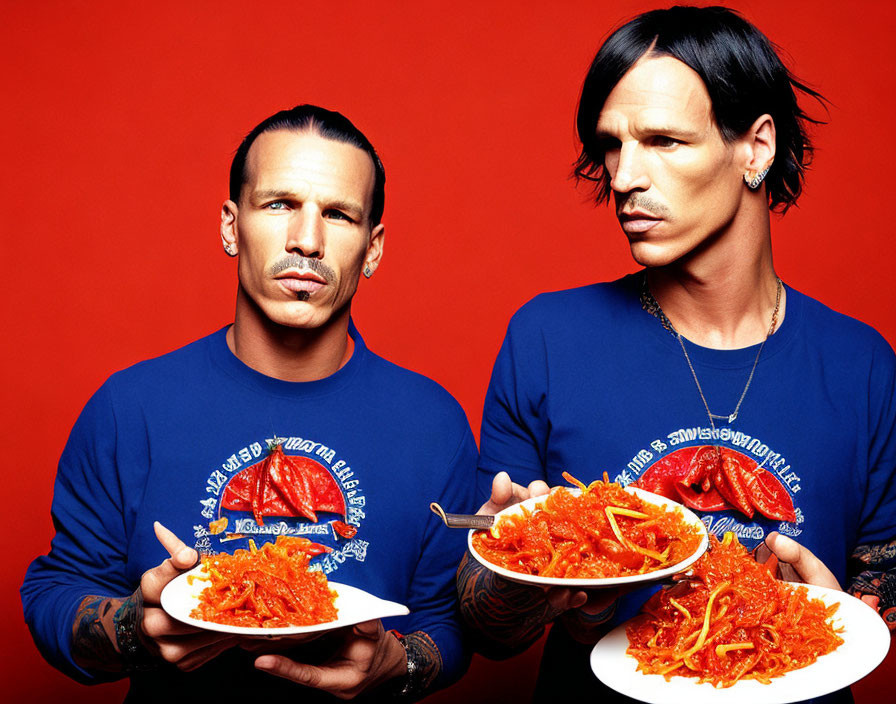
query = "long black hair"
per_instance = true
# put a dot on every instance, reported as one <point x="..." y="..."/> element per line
<point x="326" y="123"/>
<point x="743" y="75"/>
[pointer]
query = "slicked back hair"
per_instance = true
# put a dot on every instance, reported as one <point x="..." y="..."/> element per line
<point x="325" y="123"/>
<point x="742" y="73"/>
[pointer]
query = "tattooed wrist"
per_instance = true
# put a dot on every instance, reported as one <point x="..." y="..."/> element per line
<point x="94" y="644"/>
<point x="127" y="619"/>
<point x="106" y="634"/>
<point x="499" y="611"/>
<point x="881" y="585"/>
<point x="424" y="665"/>
<point x="874" y="572"/>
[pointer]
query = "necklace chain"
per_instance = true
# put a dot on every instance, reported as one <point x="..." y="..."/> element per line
<point x="652" y="306"/>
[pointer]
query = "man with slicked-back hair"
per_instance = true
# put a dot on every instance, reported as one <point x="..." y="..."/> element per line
<point x="283" y="423"/>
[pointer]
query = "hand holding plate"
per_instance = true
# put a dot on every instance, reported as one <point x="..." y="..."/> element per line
<point x="506" y="493"/>
<point x="806" y="566"/>
<point x="367" y="657"/>
<point x="185" y="646"/>
<point x="278" y="643"/>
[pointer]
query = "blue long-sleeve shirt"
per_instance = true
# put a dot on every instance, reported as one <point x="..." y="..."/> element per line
<point x="163" y="440"/>
<point x="587" y="381"/>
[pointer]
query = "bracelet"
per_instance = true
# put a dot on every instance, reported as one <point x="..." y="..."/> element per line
<point x="134" y="654"/>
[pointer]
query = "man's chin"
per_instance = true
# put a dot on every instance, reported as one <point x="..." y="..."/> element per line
<point x="651" y="254"/>
<point x="302" y="322"/>
<point x="299" y="315"/>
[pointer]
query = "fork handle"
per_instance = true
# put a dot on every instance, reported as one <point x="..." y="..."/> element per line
<point x="462" y="520"/>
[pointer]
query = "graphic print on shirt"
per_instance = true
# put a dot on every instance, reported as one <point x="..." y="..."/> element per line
<point x="735" y="481"/>
<point x="284" y="486"/>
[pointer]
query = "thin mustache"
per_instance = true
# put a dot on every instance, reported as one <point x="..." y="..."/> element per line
<point x="297" y="261"/>
<point x="640" y="202"/>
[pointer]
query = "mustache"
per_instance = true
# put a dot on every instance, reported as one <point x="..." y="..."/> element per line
<point x="641" y="202"/>
<point x="297" y="261"/>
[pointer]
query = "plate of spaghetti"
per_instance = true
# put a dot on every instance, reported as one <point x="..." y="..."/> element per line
<point x="730" y="632"/>
<point x="599" y="535"/>
<point x="269" y="591"/>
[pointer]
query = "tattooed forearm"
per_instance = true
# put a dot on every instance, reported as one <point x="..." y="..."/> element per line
<point x="505" y="617"/>
<point x="93" y="634"/>
<point x="873" y="571"/>
<point x="98" y="619"/>
<point x="427" y="657"/>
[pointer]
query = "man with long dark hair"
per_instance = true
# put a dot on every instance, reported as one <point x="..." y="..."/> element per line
<point x="690" y="124"/>
<point x="283" y="423"/>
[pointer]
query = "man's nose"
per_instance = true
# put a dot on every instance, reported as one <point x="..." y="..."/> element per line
<point x="306" y="234"/>
<point x="628" y="171"/>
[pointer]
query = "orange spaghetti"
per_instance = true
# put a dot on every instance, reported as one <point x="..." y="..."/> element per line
<point x="270" y="587"/>
<point x="731" y="620"/>
<point x="604" y="531"/>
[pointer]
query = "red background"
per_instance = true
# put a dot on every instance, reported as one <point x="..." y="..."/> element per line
<point x="120" y="123"/>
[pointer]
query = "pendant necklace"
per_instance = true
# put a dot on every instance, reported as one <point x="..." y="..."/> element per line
<point x="652" y="306"/>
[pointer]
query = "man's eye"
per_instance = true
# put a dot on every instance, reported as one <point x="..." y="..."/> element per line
<point x="663" y="141"/>
<point x="275" y="205"/>
<point x="338" y="215"/>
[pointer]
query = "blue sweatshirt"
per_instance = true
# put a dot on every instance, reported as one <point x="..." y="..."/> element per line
<point x="588" y="382"/>
<point x="172" y="440"/>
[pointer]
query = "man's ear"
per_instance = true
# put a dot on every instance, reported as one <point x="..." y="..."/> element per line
<point x="374" y="249"/>
<point x="760" y="143"/>
<point x="229" y="234"/>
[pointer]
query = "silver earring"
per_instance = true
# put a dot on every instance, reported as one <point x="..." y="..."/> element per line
<point x="756" y="181"/>
<point x="368" y="272"/>
<point x="230" y="250"/>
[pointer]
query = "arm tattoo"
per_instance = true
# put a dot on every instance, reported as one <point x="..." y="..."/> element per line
<point x="106" y="634"/>
<point x="94" y="646"/>
<point x="427" y="658"/>
<point x="873" y="571"/>
<point x="505" y="617"/>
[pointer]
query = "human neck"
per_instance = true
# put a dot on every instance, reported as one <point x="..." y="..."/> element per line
<point x="722" y="304"/>
<point x="285" y="353"/>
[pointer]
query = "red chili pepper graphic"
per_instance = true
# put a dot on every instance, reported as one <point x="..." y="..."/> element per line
<point x="704" y="462"/>
<point x="736" y="493"/>
<point x="292" y="489"/>
<point x="767" y="494"/>
<point x="710" y="478"/>
<point x="284" y="485"/>
<point x="319" y="482"/>
<point x="667" y="477"/>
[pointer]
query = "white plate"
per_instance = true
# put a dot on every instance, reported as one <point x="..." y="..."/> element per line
<point x="689" y="517"/>
<point x="353" y="606"/>
<point x="866" y="640"/>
